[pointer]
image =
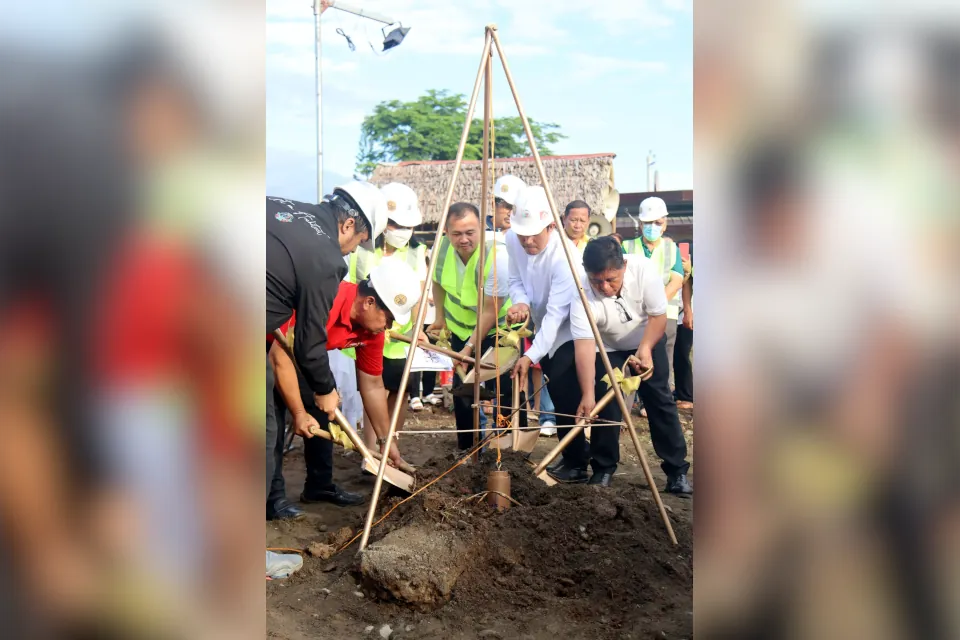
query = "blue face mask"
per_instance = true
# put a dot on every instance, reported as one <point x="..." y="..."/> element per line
<point x="652" y="232"/>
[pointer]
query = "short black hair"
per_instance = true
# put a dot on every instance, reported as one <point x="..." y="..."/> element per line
<point x="500" y="201"/>
<point x="365" y="289"/>
<point x="576" y="204"/>
<point x="460" y="210"/>
<point x="347" y="209"/>
<point x="603" y="253"/>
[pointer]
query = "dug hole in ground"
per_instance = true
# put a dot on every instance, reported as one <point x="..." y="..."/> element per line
<point x="569" y="562"/>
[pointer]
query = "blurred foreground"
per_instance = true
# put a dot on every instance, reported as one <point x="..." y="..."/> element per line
<point x="131" y="188"/>
<point x="827" y="151"/>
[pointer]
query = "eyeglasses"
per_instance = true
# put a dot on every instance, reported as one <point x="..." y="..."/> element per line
<point x="624" y="314"/>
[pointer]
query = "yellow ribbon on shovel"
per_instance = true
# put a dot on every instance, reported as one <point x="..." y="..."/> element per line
<point x="512" y="337"/>
<point x="627" y="384"/>
<point x="442" y="338"/>
<point x="340" y="436"/>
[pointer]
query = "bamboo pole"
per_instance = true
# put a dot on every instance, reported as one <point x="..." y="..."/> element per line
<point x="481" y="260"/>
<point x="361" y="447"/>
<point x="583" y="296"/>
<point x="576" y="429"/>
<point x="422" y="305"/>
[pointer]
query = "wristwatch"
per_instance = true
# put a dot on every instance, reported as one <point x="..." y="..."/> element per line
<point x="381" y="442"/>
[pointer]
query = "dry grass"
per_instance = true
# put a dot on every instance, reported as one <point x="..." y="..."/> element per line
<point x="571" y="178"/>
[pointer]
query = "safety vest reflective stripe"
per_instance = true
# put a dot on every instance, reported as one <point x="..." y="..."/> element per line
<point x="664" y="255"/>
<point x="361" y="263"/>
<point x="460" y="302"/>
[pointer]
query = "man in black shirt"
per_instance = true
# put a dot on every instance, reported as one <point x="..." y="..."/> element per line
<point x="305" y="248"/>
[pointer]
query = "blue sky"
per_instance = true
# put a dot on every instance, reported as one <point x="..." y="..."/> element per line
<point x="616" y="76"/>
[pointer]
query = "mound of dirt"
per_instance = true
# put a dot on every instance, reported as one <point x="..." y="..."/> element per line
<point x="599" y="553"/>
<point x="417" y="565"/>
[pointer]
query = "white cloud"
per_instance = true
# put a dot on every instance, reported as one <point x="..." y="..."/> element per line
<point x="585" y="66"/>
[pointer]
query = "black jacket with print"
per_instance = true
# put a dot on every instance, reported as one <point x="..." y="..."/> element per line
<point x="304" y="270"/>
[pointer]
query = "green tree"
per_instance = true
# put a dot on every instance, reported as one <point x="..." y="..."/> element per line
<point x="430" y="127"/>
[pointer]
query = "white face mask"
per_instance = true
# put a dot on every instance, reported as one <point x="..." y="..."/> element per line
<point x="397" y="237"/>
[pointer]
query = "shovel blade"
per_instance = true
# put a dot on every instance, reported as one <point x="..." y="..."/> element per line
<point x="526" y="440"/>
<point x="543" y="475"/>
<point x="394" y="476"/>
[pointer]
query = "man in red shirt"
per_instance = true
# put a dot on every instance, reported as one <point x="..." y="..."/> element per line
<point x="360" y="315"/>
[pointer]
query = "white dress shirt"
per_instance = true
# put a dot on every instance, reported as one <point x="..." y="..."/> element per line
<point x="622" y="319"/>
<point x="545" y="284"/>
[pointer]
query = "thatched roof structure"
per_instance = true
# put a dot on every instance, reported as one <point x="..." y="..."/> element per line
<point x="585" y="177"/>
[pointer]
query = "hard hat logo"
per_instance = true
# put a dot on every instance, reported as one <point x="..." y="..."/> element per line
<point x="504" y="188"/>
<point x="400" y="300"/>
<point x="391" y="205"/>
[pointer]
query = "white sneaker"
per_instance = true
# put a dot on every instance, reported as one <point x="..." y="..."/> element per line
<point x="416" y="404"/>
<point x="548" y="429"/>
<point x="282" y="565"/>
<point x="433" y="399"/>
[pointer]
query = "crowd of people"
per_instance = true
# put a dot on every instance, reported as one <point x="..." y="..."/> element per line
<point x="349" y="268"/>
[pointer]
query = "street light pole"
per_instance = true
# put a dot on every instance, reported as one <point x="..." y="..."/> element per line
<point x="318" y="7"/>
<point x="391" y="40"/>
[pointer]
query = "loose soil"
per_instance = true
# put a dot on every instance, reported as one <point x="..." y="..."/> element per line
<point x="569" y="561"/>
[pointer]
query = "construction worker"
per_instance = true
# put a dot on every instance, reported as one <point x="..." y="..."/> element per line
<point x="304" y="267"/>
<point x="665" y="254"/>
<point x="396" y="244"/>
<point x="627" y="299"/>
<point x="505" y="191"/>
<point x="542" y="287"/>
<point x="360" y="315"/>
<point x="455" y="295"/>
<point x="576" y="217"/>
<point x="682" y="351"/>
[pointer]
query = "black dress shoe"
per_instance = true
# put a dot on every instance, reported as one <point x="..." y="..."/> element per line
<point x="553" y="468"/>
<point x="601" y="478"/>
<point x="286" y="511"/>
<point x="336" y="495"/>
<point x="679" y="485"/>
<point x="568" y="475"/>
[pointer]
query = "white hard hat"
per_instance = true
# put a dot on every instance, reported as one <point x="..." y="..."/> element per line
<point x="403" y="206"/>
<point x="398" y="286"/>
<point x="652" y="208"/>
<point x="531" y="215"/>
<point x="507" y="187"/>
<point x="372" y="205"/>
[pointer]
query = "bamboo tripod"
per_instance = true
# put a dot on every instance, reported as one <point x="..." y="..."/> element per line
<point x="485" y="73"/>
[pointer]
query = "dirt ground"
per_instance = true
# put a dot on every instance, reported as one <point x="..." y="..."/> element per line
<point x="569" y="562"/>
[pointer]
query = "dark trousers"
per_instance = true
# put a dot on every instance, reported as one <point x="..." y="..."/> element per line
<point x="605" y="440"/>
<point x="564" y="388"/>
<point x="429" y="382"/>
<point x="271" y="429"/>
<point x="462" y="411"/>
<point x="317" y="453"/>
<point x="682" y="365"/>
<point x="665" y="429"/>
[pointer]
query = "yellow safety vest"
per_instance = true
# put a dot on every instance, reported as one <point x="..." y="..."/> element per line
<point x="664" y="256"/>
<point x="361" y="263"/>
<point x="460" y="302"/>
